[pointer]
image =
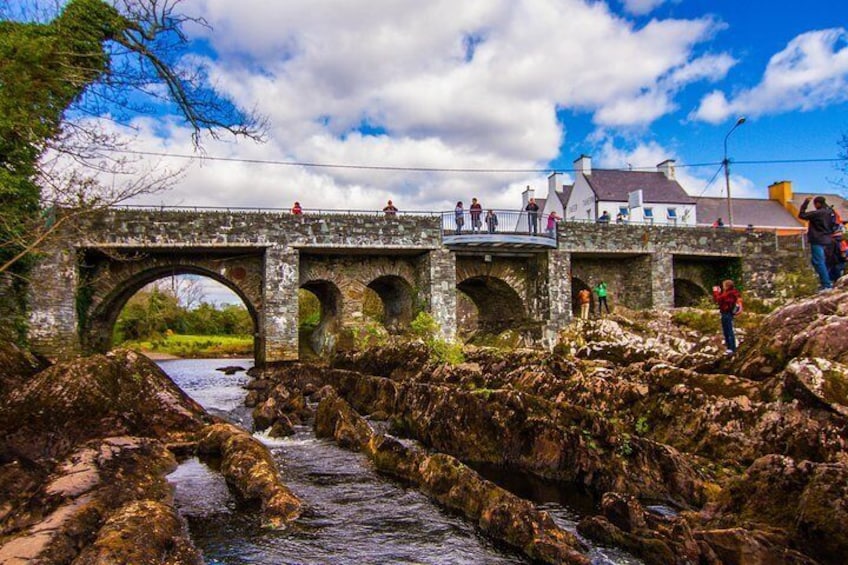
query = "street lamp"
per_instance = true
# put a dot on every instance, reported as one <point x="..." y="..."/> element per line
<point x="726" y="163"/>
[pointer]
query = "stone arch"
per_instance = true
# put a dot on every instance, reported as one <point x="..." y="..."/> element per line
<point x="499" y="306"/>
<point x="687" y="293"/>
<point x="109" y="295"/>
<point x="397" y="296"/>
<point x="577" y="285"/>
<point x="324" y="338"/>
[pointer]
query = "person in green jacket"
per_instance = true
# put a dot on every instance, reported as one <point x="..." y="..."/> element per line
<point x="601" y="291"/>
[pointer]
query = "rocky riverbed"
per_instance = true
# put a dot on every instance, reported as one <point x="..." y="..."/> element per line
<point x="749" y="450"/>
<point x="85" y="450"/>
<point x="691" y="456"/>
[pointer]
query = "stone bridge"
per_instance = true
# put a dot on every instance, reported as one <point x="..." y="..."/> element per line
<point x="504" y="280"/>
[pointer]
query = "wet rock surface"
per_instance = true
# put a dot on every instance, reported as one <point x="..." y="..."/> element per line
<point x="753" y="460"/>
<point x="249" y="468"/>
<point x="85" y="447"/>
<point x="456" y="486"/>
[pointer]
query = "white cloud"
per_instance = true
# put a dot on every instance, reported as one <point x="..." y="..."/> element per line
<point x="479" y="89"/>
<point x="811" y="72"/>
<point x="641" y="7"/>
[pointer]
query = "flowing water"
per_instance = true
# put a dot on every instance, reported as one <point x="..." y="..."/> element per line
<point x="352" y="514"/>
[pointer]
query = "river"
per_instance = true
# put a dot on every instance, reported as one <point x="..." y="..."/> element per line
<point x="353" y="514"/>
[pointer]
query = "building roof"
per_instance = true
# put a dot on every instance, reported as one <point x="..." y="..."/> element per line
<point x="655" y="186"/>
<point x="834" y="200"/>
<point x="564" y="195"/>
<point x="758" y="212"/>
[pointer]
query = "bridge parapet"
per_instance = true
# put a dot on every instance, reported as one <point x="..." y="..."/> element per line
<point x="584" y="237"/>
<point x="187" y="228"/>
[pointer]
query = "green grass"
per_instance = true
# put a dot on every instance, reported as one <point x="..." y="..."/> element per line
<point x="196" y="346"/>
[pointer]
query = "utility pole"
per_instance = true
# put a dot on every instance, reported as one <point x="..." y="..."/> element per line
<point x="726" y="163"/>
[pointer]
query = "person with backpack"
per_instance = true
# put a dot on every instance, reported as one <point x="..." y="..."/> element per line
<point x="492" y="221"/>
<point x="835" y="254"/>
<point x="820" y="236"/>
<point x="729" y="305"/>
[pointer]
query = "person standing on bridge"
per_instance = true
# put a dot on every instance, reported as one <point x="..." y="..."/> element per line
<point x="491" y="221"/>
<point x="532" y="210"/>
<point x="475" y="210"/>
<point x="389" y="210"/>
<point x="553" y="218"/>
<point x="296" y="209"/>
<point x="459" y="217"/>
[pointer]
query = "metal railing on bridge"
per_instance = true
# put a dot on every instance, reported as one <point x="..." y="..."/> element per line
<point x="494" y="222"/>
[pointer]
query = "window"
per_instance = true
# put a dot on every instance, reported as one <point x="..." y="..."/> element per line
<point x="649" y="214"/>
<point x="624" y="210"/>
<point x="672" y="216"/>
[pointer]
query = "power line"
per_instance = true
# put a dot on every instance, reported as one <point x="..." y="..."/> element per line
<point x="310" y="164"/>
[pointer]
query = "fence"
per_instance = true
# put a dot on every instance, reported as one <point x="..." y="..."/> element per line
<point x="498" y="222"/>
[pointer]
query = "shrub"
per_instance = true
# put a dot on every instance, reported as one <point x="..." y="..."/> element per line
<point x="425" y="327"/>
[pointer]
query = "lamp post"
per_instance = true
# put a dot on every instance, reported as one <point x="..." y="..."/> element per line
<point x="726" y="163"/>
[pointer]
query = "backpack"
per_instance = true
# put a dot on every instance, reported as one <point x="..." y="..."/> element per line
<point x="836" y="221"/>
<point x="737" y="308"/>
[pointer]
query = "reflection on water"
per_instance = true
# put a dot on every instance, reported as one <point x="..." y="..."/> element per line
<point x="352" y="514"/>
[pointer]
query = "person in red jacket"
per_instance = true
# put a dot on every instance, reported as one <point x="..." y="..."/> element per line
<point x="727" y="297"/>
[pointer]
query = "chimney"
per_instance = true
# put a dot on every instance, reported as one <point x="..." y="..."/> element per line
<point x="667" y="168"/>
<point x="526" y="196"/>
<point x="554" y="184"/>
<point x="782" y="192"/>
<point x="583" y="164"/>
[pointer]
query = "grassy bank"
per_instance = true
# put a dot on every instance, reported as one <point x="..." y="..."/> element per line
<point x="196" y="346"/>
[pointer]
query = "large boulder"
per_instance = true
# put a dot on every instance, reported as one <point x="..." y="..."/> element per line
<point x="249" y="468"/>
<point x="811" y="327"/>
<point x="805" y="500"/>
<point x="16" y="366"/>
<point x="121" y="393"/>
<point x="96" y="487"/>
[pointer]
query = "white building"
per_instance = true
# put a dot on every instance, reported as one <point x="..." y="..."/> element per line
<point x="594" y="192"/>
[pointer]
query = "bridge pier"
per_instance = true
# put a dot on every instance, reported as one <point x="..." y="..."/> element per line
<point x="279" y="313"/>
<point x="442" y="291"/>
<point x="559" y="295"/>
<point x="662" y="281"/>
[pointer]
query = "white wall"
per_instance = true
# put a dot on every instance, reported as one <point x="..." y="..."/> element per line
<point x="685" y="212"/>
<point x="581" y="205"/>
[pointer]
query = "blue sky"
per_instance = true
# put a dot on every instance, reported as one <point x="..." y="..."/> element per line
<point x="508" y="84"/>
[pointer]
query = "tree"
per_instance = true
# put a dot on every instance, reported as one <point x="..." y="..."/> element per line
<point x="58" y="78"/>
<point x="843" y="165"/>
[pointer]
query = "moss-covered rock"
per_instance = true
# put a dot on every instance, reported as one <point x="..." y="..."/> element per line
<point x="250" y="470"/>
<point x="94" y="397"/>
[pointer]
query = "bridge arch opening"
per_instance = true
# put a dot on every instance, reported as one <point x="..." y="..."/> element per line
<point x="320" y="329"/>
<point x="100" y="324"/>
<point x="396" y="296"/>
<point x="498" y="307"/>
<point x="577" y="285"/>
<point x="687" y="293"/>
